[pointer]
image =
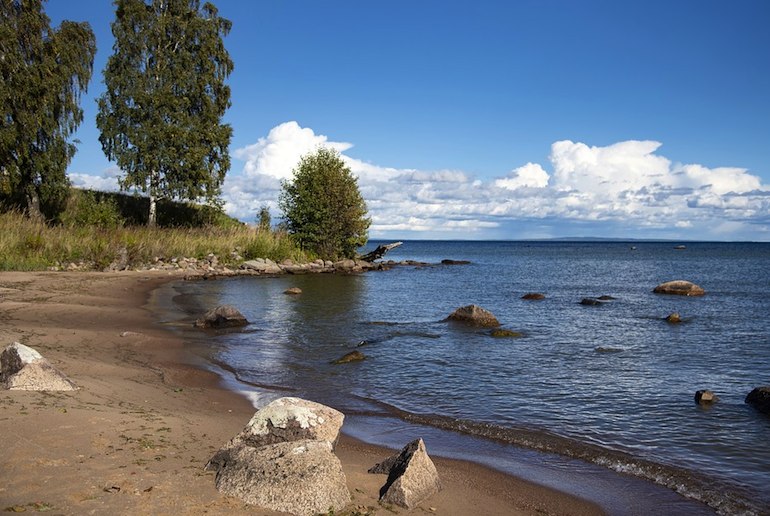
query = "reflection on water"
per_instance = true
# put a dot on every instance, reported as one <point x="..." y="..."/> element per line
<point x="614" y="376"/>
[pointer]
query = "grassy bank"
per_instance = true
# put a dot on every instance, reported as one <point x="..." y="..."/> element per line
<point x="27" y="245"/>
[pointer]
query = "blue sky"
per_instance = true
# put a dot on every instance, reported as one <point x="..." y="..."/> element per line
<point x="502" y="120"/>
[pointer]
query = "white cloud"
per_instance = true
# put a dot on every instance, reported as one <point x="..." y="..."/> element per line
<point x="627" y="184"/>
<point x="530" y="175"/>
<point x="106" y="182"/>
<point x="277" y="154"/>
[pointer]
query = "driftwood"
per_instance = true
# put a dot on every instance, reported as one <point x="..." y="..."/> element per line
<point x="380" y="251"/>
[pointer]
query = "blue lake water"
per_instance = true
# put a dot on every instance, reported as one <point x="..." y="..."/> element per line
<point x="607" y="388"/>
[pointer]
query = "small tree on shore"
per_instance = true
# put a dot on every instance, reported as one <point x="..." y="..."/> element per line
<point x="43" y="72"/>
<point x="160" y="116"/>
<point x="325" y="212"/>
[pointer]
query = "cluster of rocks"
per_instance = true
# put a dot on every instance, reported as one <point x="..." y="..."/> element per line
<point x="284" y="460"/>
<point x="24" y="369"/>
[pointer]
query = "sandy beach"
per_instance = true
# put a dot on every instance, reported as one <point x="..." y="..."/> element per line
<point x="136" y="435"/>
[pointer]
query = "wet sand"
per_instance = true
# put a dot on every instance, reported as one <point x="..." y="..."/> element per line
<point x="145" y="421"/>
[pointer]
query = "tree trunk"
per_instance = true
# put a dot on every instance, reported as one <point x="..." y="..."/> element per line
<point x="152" y="215"/>
<point x="380" y="251"/>
<point x="33" y="203"/>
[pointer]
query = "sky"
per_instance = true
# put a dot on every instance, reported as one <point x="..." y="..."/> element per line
<point x="494" y="120"/>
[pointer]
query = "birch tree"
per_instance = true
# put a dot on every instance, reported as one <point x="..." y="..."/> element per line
<point x="160" y="117"/>
<point x="43" y="72"/>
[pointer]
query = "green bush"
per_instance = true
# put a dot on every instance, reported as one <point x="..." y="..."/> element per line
<point x="87" y="208"/>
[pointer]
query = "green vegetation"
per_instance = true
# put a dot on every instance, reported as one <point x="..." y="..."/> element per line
<point x="97" y="230"/>
<point x="43" y="71"/>
<point x="160" y="117"/>
<point x="324" y="210"/>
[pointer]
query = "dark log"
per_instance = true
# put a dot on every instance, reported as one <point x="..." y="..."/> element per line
<point x="380" y="251"/>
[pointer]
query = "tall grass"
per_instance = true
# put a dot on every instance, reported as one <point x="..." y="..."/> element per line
<point x="30" y="245"/>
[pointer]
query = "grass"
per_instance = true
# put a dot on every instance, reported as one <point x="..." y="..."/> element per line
<point x="27" y="245"/>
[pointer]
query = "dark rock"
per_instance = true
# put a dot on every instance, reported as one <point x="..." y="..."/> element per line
<point x="501" y="333"/>
<point x="705" y="397"/>
<point x="589" y="301"/>
<point x="674" y="318"/>
<point x="293" y="291"/>
<point x="24" y="369"/>
<point x="606" y="298"/>
<point x="607" y="349"/>
<point x="533" y="296"/>
<point x="679" y="288"/>
<point x="353" y="356"/>
<point x="680" y="247"/>
<point x="412" y="476"/>
<point x="455" y="262"/>
<point x="475" y="316"/>
<point x="298" y="477"/>
<point x="225" y="316"/>
<point x="759" y="398"/>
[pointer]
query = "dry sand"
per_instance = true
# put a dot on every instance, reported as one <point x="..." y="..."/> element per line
<point x="135" y="437"/>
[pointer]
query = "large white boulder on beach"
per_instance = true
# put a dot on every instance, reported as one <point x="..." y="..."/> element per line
<point x="298" y="477"/>
<point x="24" y="369"/>
<point x="412" y="476"/>
<point x="283" y="459"/>
<point x="290" y="419"/>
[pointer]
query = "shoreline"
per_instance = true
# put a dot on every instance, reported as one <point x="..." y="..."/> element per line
<point x="146" y="419"/>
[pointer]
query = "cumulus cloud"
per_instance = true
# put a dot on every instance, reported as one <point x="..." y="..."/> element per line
<point x="628" y="184"/>
<point x="106" y="182"/>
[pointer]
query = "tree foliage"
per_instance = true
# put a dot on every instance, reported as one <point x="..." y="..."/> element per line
<point x="43" y="72"/>
<point x="324" y="209"/>
<point x="160" y="116"/>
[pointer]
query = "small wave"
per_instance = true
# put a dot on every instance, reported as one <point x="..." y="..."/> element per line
<point x="721" y="496"/>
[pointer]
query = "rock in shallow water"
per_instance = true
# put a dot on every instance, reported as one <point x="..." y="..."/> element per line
<point x="533" y="296"/>
<point x="679" y="288"/>
<point x="353" y="356"/>
<point x="759" y="398"/>
<point x="475" y="316"/>
<point x="705" y="397"/>
<point x="225" y="316"/>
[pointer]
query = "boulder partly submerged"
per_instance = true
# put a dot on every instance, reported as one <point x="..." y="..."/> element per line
<point x="533" y="296"/>
<point x="412" y="476"/>
<point x="24" y="369"/>
<point x="474" y="315"/>
<point x="759" y="398"/>
<point x="679" y="288"/>
<point x="224" y="316"/>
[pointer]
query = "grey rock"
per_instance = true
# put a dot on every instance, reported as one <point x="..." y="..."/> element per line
<point x="412" y="476"/>
<point x="298" y="477"/>
<point x="24" y="369"/>
<point x="759" y="398"/>
<point x="475" y="316"/>
<point x="262" y="266"/>
<point x="293" y="291"/>
<point x="225" y="316"/>
<point x="679" y="288"/>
